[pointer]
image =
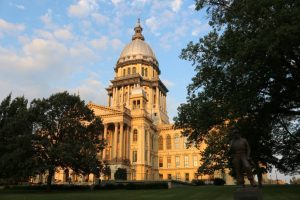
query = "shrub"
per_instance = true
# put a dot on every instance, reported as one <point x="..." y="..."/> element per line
<point x="198" y="182"/>
<point x="121" y="174"/>
<point x="147" y="186"/>
<point x="219" y="181"/>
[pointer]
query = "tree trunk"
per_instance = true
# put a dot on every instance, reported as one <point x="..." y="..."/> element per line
<point x="49" y="178"/>
<point x="259" y="178"/>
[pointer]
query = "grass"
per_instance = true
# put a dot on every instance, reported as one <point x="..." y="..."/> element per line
<point x="187" y="193"/>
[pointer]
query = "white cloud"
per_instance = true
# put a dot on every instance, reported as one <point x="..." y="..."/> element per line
<point x="116" y="2"/>
<point x="7" y="27"/>
<point x="153" y="24"/>
<point x="91" y="89"/>
<point x="176" y="5"/>
<point x="99" y="18"/>
<point x="63" y="34"/>
<point x="116" y="44"/>
<point x="82" y="8"/>
<point x="100" y="43"/>
<point x="168" y="83"/>
<point x="47" y="19"/>
<point x="19" y="6"/>
<point x="199" y="27"/>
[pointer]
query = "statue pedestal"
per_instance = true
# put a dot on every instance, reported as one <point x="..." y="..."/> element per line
<point x="248" y="193"/>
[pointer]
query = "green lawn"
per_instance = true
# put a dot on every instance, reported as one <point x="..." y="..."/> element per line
<point x="186" y="193"/>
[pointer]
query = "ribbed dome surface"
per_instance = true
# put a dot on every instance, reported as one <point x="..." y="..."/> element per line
<point x="137" y="47"/>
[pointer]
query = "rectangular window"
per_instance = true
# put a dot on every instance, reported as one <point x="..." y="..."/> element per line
<point x="134" y="156"/>
<point x="195" y="161"/>
<point x="169" y="162"/>
<point x="161" y="162"/>
<point x="187" y="177"/>
<point x="185" y="143"/>
<point x="178" y="176"/>
<point x="161" y="177"/>
<point x="177" y="161"/>
<point x="146" y="155"/>
<point x="186" y="161"/>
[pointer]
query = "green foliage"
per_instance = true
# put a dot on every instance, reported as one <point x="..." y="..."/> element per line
<point x="121" y="174"/>
<point x="198" y="182"/>
<point x="16" y="150"/>
<point x="219" y="181"/>
<point x="67" y="134"/>
<point x="247" y="78"/>
<point x="213" y="158"/>
<point x="147" y="186"/>
<point x="106" y="171"/>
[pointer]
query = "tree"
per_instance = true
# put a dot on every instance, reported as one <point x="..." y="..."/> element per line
<point x="213" y="157"/>
<point x="67" y="134"/>
<point x="16" y="150"/>
<point x="121" y="174"/>
<point x="106" y="171"/>
<point x="248" y="77"/>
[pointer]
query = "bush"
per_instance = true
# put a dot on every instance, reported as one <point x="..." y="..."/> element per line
<point x="69" y="187"/>
<point x="147" y="186"/>
<point x="121" y="174"/>
<point x="198" y="182"/>
<point x="219" y="181"/>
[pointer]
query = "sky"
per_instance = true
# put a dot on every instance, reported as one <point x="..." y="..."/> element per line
<point x="51" y="46"/>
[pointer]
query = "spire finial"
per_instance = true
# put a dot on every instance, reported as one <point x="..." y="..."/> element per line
<point x="138" y="31"/>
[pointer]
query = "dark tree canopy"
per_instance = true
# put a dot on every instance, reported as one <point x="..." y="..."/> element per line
<point x="16" y="151"/>
<point x="248" y="77"/>
<point x="67" y="134"/>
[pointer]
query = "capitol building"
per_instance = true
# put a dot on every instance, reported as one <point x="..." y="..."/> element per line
<point x="137" y="131"/>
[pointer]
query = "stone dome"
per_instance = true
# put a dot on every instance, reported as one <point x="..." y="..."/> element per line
<point x="137" y="50"/>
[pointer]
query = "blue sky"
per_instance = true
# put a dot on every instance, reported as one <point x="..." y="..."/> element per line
<point x="53" y="45"/>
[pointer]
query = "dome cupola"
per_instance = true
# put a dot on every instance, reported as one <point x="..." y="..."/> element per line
<point x="137" y="51"/>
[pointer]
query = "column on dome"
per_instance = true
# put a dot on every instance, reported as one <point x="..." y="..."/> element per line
<point x="157" y="98"/>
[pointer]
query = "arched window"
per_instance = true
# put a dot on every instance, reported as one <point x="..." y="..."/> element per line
<point x="133" y="70"/>
<point x="146" y="72"/>
<point x="124" y="71"/>
<point x="142" y="71"/>
<point x="176" y="141"/>
<point x="128" y="71"/>
<point x="168" y="140"/>
<point x="135" y="135"/>
<point x="160" y="143"/>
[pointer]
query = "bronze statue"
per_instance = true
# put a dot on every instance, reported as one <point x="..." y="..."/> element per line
<point x="241" y="159"/>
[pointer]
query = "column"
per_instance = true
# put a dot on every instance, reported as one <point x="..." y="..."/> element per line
<point x="121" y="140"/>
<point x="157" y="98"/>
<point x="104" y="137"/>
<point x="114" y="96"/>
<point x="128" y="143"/>
<point x="115" y="143"/>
